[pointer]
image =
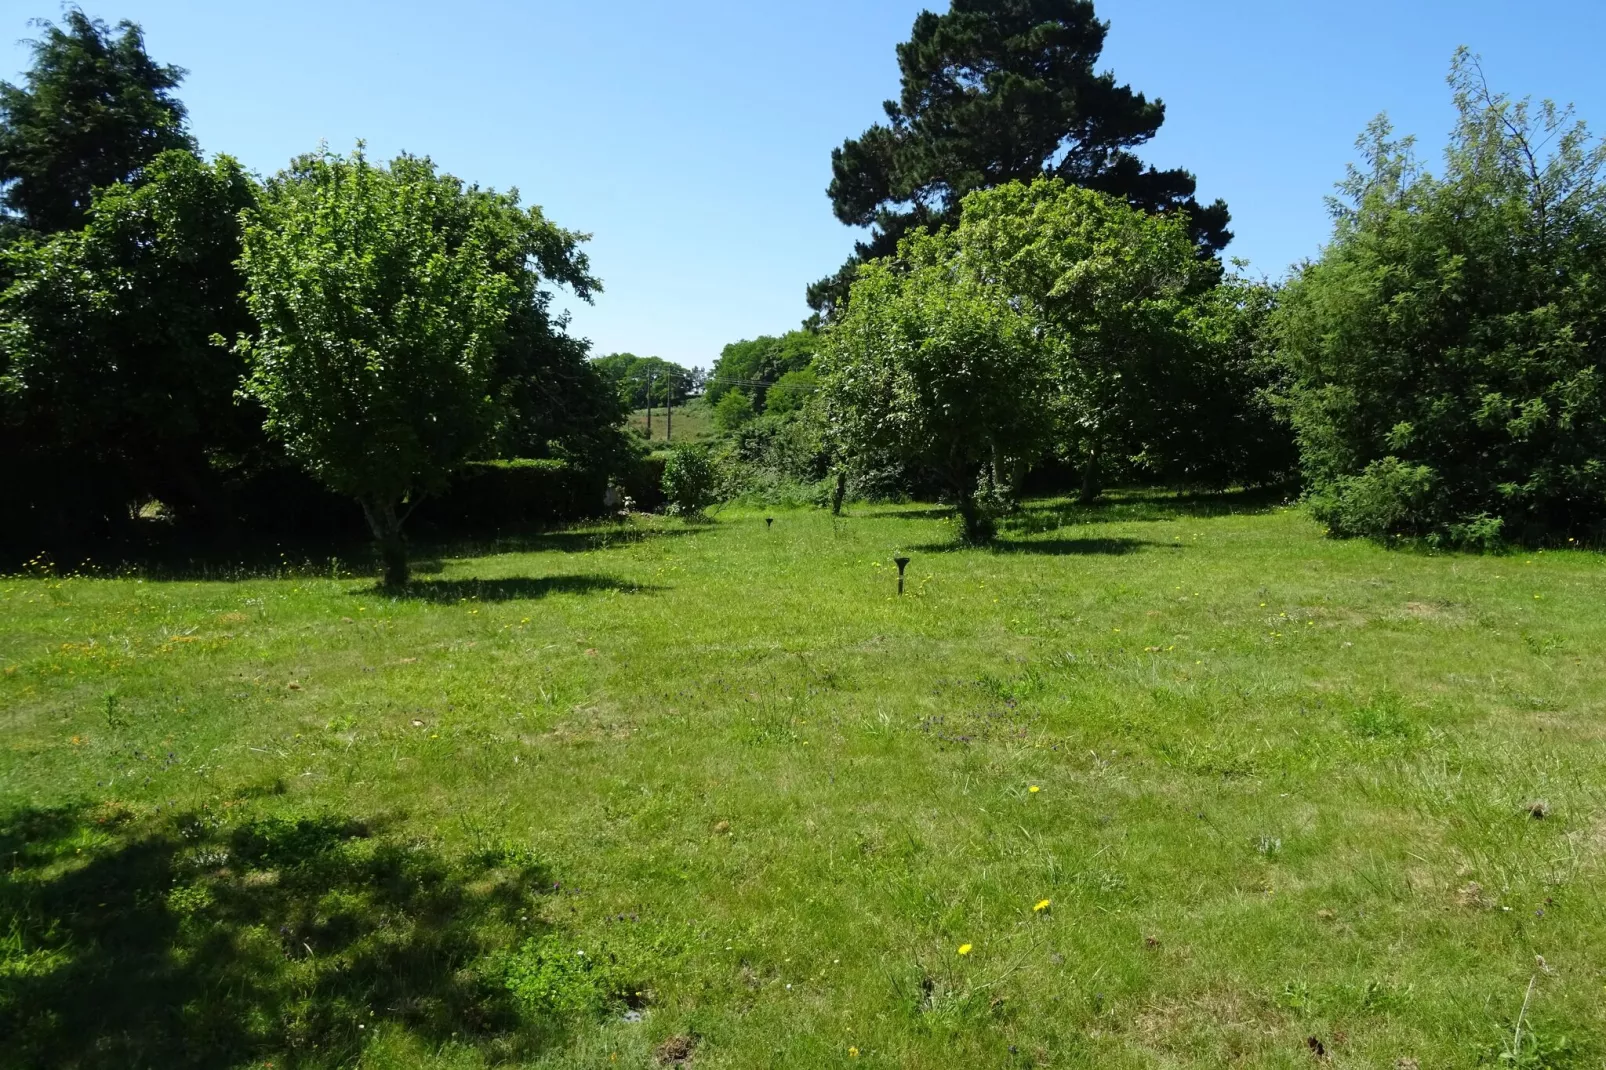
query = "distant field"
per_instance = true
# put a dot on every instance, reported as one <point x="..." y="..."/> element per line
<point x="693" y="422"/>
<point x="1156" y="784"/>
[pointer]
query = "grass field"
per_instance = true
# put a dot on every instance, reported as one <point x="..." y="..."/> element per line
<point x="1156" y="784"/>
<point x="693" y="422"/>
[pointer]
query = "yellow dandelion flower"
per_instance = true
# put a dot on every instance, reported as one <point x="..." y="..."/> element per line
<point x="964" y="949"/>
<point x="1042" y="906"/>
<point x="1034" y="789"/>
<point x="853" y="1053"/>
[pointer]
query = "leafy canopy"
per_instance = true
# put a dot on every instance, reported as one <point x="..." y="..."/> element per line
<point x="939" y="368"/>
<point x="639" y="380"/>
<point x="383" y="296"/>
<point x="1446" y="350"/>
<point x="111" y="364"/>
<point x="1000" y="91"/>
<point x="754" y="365"/>
<point x="92" y="110"/>
<point x="1158" y="366"/>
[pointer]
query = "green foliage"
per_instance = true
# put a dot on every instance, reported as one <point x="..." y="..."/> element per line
<point x="691" y="481"/>
<point x="937" y="367"/>
<point x="1155" y="363"/>
<point x="1000" y="91"/>
<point x="110" y="363"/>
<point x="92" y="111"/>
<point x="1445" y="352"/>
<point x="551" y="976"/>
<point x="640" y="380"/>
<point x="383" y="295"/>
<point x="778" y="459"/>
<point x="733" y="410"/>
<point x="753" y="365"/>
<point x="1129" y="349"/>
<point x="792" y="392"/>
<point x="487" y="496"/>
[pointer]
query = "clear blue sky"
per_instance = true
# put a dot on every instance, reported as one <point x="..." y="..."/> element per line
<point x="693" y="139"/>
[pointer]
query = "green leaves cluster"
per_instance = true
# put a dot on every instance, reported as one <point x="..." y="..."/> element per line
<point x="1051" y="319"/>
<point x="382" y="296"/>
<point x="1446" y="350"/>
<point x="94" y="109"/>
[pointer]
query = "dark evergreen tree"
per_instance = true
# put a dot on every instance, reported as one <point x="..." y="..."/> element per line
<point x="996" y="91"/>
<point x="92" y="111"/>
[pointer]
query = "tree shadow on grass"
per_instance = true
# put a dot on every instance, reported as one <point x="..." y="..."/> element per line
<point x="506" y="589"/>
<point x="1053" y="547"/>
<point x="585" y="540"/>
<point x="189" y="941"/>
<point x="1141" y="506"/>
<point x="938" y="512"/>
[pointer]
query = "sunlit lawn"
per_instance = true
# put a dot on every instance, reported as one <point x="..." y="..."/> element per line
<point x="1157" y="784"/>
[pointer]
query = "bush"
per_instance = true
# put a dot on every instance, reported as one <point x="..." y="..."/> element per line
<point x="733" y="410"/>
<point x="1389" y="498"/>
<point x="508" y="494"/>
<point x="690" y="481"/>
<point x="1446" y="351"/>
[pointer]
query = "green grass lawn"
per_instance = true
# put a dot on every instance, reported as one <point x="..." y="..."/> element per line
<point x="1157" y="784"/>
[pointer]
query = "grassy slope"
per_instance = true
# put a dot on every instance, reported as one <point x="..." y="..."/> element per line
<point x="694" y="422"/>
<point x="1283" y="788"/>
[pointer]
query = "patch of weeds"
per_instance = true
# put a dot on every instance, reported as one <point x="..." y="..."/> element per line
<point x="1544" y="644"/>
<point x="549" y="975"/>
<point x="1383" y="720"/>
<point x="1534" y="1049"/>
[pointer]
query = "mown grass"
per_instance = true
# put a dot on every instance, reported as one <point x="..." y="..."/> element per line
<point x="1281" y="800"/>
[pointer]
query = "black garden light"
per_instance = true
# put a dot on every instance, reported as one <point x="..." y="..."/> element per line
<point x="902" y="563"/>
<point x="769" y="522"/>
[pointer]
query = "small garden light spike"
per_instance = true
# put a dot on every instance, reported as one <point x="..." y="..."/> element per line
<point x="769" y="522"/>
<point x="902" y="563"/>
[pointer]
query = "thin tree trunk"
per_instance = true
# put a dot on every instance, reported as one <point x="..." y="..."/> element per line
<point x="840" y="492"/>
<point x="386" y="526"/>
<point x="1092" y="485"/>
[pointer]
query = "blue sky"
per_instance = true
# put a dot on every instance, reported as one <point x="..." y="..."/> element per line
<point x="693" y="139"/>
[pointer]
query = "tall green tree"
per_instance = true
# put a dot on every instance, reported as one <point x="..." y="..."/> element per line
<point x="999" y="91"/>
<point x="753" y="365"/>
<point x="941" y="370"/>
<point x="383" y="297"/>
<point x="643" y="379"/>
<point x="109" y="371"/>
<point x="93" y="110"/>
<point x="1112" y="286"/>
<point x="1446" y="351"/>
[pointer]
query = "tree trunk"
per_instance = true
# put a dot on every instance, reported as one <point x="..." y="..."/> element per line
<point x="386" y="526"/>
<point x="839" y="493"/>
<point x="1092" y="486"/>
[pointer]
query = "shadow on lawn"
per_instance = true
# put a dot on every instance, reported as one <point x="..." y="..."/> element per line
<point x="1037" y="515"/>
<point x="191" y="942"/>
<point x="506" y="589"/>
<point x="1053" y="547"/>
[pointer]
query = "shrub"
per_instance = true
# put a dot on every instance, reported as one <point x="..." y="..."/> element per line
<point x="733" y="410"/>
<point x="1445" y="353"/>
<point x="521" y="493"/>
<point x="690" y="481"/>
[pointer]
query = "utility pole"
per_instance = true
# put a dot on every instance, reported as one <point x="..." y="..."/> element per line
<point x="669" y="409"/>
<point x="649" y="408"/>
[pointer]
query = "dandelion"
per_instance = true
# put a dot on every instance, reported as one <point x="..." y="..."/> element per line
<point x="1042" y="906"/>
<point x="853" y="1053"/>
<point x="1034" y="789"/>
<point x="964" y="949"/>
